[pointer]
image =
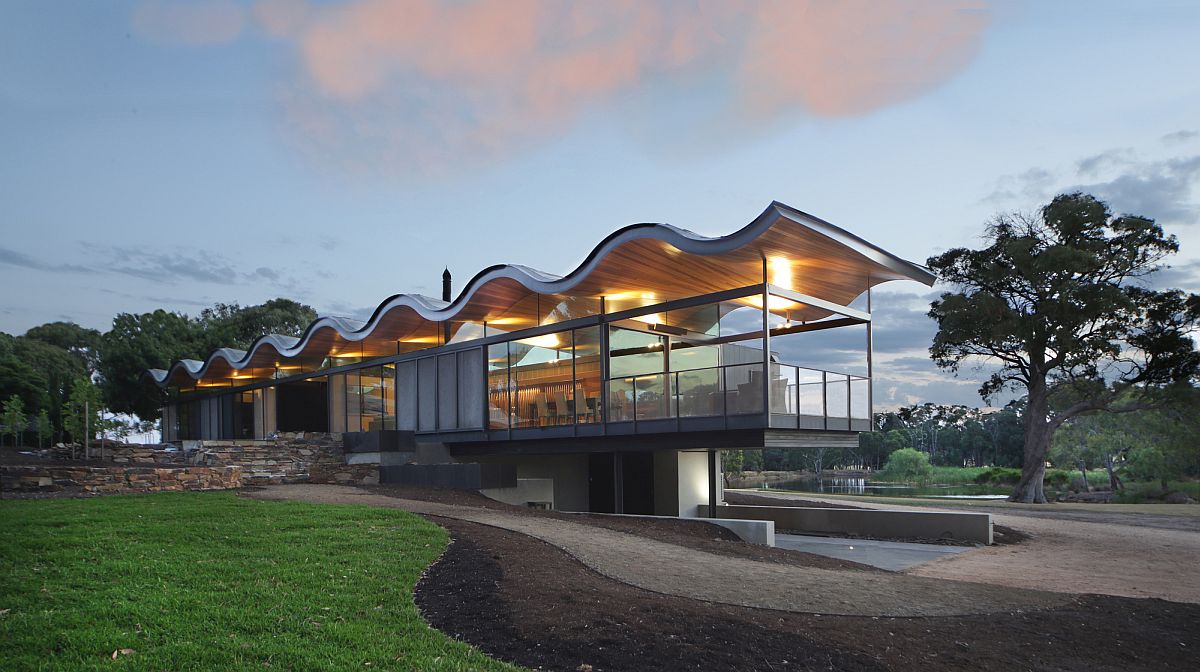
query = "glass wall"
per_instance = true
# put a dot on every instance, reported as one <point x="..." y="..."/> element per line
<point x="370" y="399"/>
<point x="540" y="370"/>
<point x="545" y="381"/>
<point x="589" y="393"/>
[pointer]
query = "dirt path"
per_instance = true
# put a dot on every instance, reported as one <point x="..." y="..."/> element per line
<point x="1076" y="551"/>
<point x="675" y="570"/>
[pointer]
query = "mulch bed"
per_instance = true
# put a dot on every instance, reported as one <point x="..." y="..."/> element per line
<point x="524" y="601"/>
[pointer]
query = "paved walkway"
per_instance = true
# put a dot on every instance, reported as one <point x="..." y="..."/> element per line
<point x="675" y="570"/>
<point x="1074" y="550"/>
<point x="890" y="555"/>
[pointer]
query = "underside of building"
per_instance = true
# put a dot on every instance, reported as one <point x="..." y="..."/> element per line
<point x="611" y="389"/>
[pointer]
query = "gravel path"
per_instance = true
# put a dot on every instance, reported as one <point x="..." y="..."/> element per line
<point x="1074" y="551"/>
<point x="676" y="570"/>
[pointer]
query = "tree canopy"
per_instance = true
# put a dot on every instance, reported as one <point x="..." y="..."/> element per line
<point x="1059" y="303"/>
<point x="41" y="366"/>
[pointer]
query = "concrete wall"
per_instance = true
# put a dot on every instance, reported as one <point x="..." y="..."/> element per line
<point x="569" y="473"/>
<point x="976" y="527"/>
<point x="536" y="490"/>
<point x="693" y="484"/>
<point x="680" y="483"/>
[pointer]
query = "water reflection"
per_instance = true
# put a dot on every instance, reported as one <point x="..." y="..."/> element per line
<point x="863" y="486"/>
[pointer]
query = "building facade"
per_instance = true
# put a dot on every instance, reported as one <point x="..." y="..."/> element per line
<point x="610" y="389"/>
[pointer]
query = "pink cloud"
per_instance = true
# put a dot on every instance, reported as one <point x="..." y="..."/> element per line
<point x="432" y="83"/>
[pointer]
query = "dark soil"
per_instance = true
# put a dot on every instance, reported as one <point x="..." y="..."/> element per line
<point x="524" y="601"/>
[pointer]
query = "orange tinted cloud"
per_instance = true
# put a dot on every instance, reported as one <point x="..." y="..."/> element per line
<point x="412" y="81"/>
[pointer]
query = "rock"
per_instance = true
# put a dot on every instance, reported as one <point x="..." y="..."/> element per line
<point x="1178" y="498"/>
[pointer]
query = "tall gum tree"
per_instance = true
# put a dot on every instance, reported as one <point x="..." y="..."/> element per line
<point x="1060" y="303"/>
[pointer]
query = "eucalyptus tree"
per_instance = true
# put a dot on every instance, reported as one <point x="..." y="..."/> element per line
<point x="1058" y="302"/>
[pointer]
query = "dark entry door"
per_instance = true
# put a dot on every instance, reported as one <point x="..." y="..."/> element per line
<point x="601" y="483"/>
<point x="637" y="480"/>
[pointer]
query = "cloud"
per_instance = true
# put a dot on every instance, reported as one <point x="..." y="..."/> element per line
<point x="1158" y="189"/>
<point x="1031" y="185"/>
<point x="423" y="85"/>
<point x="161" y="267"/>
<point x="189" y="22"/>
<point x="1180" y="137"/>
<point x="1164" y="189"/>
<point x="1093" y="165"/>
<point x="22" y="260"/>
<point x="1185" y="276"/>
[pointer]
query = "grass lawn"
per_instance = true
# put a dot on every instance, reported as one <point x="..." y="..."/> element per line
<point x="214" y="581"/>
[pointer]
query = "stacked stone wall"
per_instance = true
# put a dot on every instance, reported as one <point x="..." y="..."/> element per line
<point x="291" y="458"/>
<point x="36" y="478"/>
<point x="201" y="465"/>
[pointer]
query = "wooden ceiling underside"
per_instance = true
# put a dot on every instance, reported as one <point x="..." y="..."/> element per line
<point x="636" y="266"/>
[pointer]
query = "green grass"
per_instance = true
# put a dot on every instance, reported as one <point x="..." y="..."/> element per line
<point x="211" y="581"/>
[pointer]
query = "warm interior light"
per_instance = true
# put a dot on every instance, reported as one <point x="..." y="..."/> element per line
<point x="507" y="320"/>
<point x="775" y="303"/>
<point x="420" y="339"/>
<point x="780" y="270"/>
<point x="545" y="341"/>
<point x="626" y="296"/>
<point x="652" y="318"/>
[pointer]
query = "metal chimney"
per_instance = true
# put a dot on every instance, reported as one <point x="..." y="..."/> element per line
<point x="446" y="285"/>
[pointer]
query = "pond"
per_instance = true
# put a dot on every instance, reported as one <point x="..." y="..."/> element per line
<point x="863" y="486"/>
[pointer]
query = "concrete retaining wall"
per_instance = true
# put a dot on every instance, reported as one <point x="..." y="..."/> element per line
<point x="528" y="492"/>
<point x="761" y="532"/>
<point x="976" y="527"/>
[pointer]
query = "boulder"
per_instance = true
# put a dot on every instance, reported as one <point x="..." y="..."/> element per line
<point x="1178" y="497"/>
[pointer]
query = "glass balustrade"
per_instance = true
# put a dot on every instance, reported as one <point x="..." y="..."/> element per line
<point x="800" y="398"/>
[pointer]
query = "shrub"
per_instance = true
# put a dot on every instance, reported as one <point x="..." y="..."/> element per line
<point x="999" y="476"/>
<point x="909" y="465"/>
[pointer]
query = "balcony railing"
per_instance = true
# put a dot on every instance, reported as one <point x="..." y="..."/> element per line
<point x="801" y="398"/>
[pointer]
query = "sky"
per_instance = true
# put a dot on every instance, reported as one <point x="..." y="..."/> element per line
<point x="177" y="154"/>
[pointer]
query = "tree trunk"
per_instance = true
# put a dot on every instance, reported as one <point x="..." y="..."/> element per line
<point x="1114" y="482"/>
<point x="1030" y="489"/>
<point x="1083" y="470"/>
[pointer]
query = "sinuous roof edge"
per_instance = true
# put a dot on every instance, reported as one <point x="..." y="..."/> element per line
<point x="541" y="282"/>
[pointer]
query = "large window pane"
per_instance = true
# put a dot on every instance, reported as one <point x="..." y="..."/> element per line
<point x="686" y="355"/>
<point x="812" y="393"/>
<point x="388" y="384"/>
<point x="620" y="400"/>
<point x="634" y="353"/>
<point x="783" y="389"/>
<point x="588" y="388"/>
<point x="498" y="386"/>
<point x="744" y="389"/>
<point x="652" y="397"/>
<point x="541" y="378"/>
<point x="699" y="393"/>
<point x="353" y="401"/>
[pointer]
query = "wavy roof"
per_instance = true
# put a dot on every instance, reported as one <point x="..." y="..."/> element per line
<point x="636" y="265"/>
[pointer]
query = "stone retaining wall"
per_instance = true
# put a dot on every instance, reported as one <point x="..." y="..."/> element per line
<point x="29" y="478"/>
<point x="292" y="458"/>
<point x="200" y="465"/>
